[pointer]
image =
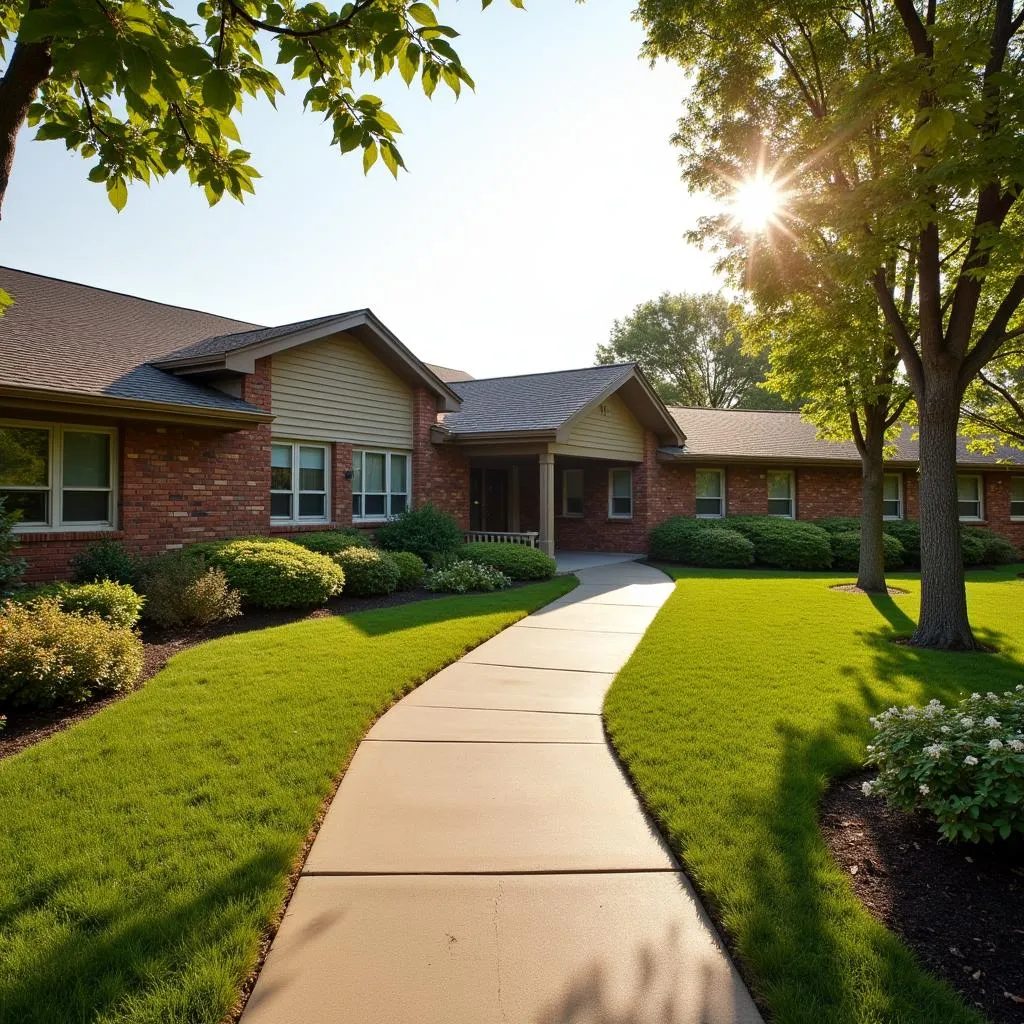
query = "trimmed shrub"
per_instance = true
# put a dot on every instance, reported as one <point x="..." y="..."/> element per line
<point x="700" y="542"/>
<point x="425" y="531"/>
<point x="995" y="550"/>
<point x="846" y="550"/>
<point x="964" y="764"/>
<point x="785" y="543"/>
<point x="972" y="549"/>
<point x="115" y="602"/>
<point x="11" y="567"/>
<point x="908" y="533"/>
<point x="460" y="576"/>
<point x="277" y="573"/>
<point x="330" y="542"/>
<point x="368" y="572"/>
<point x="49" y="656"/>
<point x="106" y="560"/>
<point x="182" y="590"/>
<point x="839" y="524"/>
<point x="411" y="569"/>
<point x="516" y="561"/>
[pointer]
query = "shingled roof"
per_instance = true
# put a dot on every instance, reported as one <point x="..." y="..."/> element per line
<point x="448" y="374"/>
<point x="742" y="434"/>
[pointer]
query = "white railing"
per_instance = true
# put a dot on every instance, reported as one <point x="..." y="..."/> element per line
<point x="527" y="539"/>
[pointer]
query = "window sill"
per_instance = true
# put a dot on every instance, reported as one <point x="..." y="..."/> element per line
<point x="709" y="516"/>
<point x="569" y="515"/>
<point x="973" y="521"/>
<point x="620" y="519"/>
<point x="36" y="535"/>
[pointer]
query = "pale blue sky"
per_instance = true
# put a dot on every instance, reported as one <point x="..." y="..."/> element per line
<point x="534" y="213"/>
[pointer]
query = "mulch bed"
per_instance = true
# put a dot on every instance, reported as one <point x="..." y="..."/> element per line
<point x="852" y="588"/>
<point x="960" y="908"/>
<point x="26" y="727"/>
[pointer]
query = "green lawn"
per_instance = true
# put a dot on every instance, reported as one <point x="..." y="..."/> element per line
<point x="747" y="694"/>
<point x="143" y="852"/>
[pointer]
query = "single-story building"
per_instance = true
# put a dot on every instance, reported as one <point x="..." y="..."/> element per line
<point x="160" y="426"/>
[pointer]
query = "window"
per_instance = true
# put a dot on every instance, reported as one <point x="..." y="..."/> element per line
<point x="620" y="493"/>
<point x="710" y="493"/>
<point x="969" y="497"/>
<point x="892" y="496"/>
<point x="380" y="484"/>
<point x="782" y="494"/>
<point x="298" y="482"/>
<point x="572" y="492"/>
<point x="1017" y="497"/>
<point x="58" y="476"/>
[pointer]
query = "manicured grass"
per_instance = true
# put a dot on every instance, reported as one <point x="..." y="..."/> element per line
<point x="747" y="694"/>
<point x="143" y="852"/>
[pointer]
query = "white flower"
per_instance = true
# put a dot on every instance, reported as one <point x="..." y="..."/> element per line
<point x="866" y="788"/>
<point x="1019" y="687"/>
<point x="975" y="696"/>
<point x="935" y="750"/>
<point x="966" y="722"/>
<point x="945" y="729"/>
<point x="995" y="744"/>
<point x="992" y="722"/>
<point x="970" y="759"/>
<point x="874" y="722"/>
<point x="923" y="789"/>
<point x="1017" y="746"/>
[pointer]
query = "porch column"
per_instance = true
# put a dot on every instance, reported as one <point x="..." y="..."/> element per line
<point x="546" y="540"/>
<point x="513" y="498"/>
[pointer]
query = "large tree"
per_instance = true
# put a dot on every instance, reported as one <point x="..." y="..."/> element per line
<point x="892" y="131"/>
<point x="993" y="410"/>
<point x="143" y="93"/>
<point x="690" y="349"/>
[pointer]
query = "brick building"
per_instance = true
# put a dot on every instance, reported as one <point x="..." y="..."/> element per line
<point x="160" y="426"/>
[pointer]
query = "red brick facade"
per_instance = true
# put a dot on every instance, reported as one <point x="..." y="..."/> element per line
<point x="439" y="475"/>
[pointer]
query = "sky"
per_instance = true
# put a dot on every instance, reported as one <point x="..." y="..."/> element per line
<point x="536" y="210"/>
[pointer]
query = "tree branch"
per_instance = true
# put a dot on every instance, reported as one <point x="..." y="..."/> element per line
<point x="994" y="335"/>
<point x="915" y="27"/>
<point x="300" y="33"/>
<point x="901" y="336"/>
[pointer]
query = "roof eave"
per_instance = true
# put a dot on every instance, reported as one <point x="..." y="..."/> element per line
<point x="476" y="436"/>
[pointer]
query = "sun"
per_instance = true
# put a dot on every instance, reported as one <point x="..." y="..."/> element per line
<point x="757" y="203"/>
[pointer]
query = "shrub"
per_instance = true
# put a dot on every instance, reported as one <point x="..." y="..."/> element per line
<point x="116" y="602"/>
<point x="330" y="542"/>
<point x="963" y="764"/>
<point x="846" y="550"/>
<point x="368" y="572"/>
<point x="995" y="550"/>
<point x="839" y="524"/>
<point x="908" y="533"/>
<point x="516" y="561"/>
<point x="785" y="543"/>
<point x="49" y="656"/>
<point x="411" y="569"/>
<point x="106" y="560"/>
<point x="12" y="568"/>
<point x="277" y="573"/>
<point x="700" y="542"/>
<point x="425" y="531"/>
<point x="972" y="549"/>
<point x="182" y="590"/>
<point x="463" y="575"/>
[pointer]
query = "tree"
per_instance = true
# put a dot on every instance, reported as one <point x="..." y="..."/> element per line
<point x="851" y="390"/>
<point x="690" y="350"/>
<point x="890" y="135"/>
<point x="143" y="93"/>
<point x="993" y="410"/>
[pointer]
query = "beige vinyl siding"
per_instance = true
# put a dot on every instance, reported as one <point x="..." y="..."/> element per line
<point x="607" y="431"/>
<point x="337" y="390"/>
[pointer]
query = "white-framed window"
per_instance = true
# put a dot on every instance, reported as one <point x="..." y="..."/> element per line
<point x="970" y="497"/>
<point x="710" y="493"/>
<point x="299" y="482"/>
<point x="59" y="476"/>
<point x="572" y="492"/>
<point x="620" y="493"/>
<point x="1017" y="497"/>
<point x="380" y="484"/>
<point x="892" y="496"/>
<point x="782" y="493"/>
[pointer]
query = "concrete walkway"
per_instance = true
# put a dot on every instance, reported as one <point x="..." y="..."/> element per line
<point x="486" y="862"/>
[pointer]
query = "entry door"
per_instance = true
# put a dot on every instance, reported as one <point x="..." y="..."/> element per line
<point x="488" y="500"/>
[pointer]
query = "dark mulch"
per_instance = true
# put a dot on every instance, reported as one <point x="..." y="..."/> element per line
<point x="852" y="588"/>
<point x="26" y="727"/>
<point x="960" y="908"/>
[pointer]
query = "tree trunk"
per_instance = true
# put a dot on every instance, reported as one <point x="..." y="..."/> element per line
<point x="30" y="66"/>
<point x="871" y="569"/>
<point x="943" y="623"/>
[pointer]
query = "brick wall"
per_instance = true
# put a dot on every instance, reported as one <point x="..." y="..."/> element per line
<point x="997" y="508"/>
<point x="439" y="474"/>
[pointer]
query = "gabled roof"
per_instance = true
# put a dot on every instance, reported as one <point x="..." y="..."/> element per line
<point x="744" y="435"/>
<point x="544" y="403"/>
<point x="448" y="374"/>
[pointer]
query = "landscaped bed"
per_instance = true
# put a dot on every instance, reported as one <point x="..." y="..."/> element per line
<point x="145" y="853"/>
<point x="749" y="692"/>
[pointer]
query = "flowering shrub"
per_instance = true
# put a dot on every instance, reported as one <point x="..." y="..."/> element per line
<point x="460" y="576"/>
<point x="963" y="764"/>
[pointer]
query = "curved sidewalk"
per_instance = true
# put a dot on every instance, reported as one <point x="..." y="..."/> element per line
<point x="486" y="862"/>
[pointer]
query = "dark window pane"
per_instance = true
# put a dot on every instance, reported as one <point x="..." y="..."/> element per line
<point x="280" y="478"/>
<point x="24" y="457"/>
<point x="311" y="505"/>
<point x="709" y="507"/>
<point x="31" y="504"/>
<point x="374" y="505"/>
<point x="86" y="459"/>
<point x="891" y="509"/>
<point x="357" y="505"/>
<point x="1017" y="509"/>
<point x="779" y="507"/>
<point x="573" y="506"/>
<point x="622" y="507"/>
<point x="86" y="507"/>
<point x="398" y="503"/>
<point x="312" y="469"/>
<point x="281" y="506"/>
<point x="969" y="509"/>
<point x="399" y="478"/>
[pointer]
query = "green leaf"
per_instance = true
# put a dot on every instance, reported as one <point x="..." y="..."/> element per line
<point x="369" y="157"/>
<point x="98" y="173"/>
<point x="219" y="91"/>
<point x="390" y="156"/>
<point x="117" y="193"/>
<point x="422" y="14"/>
